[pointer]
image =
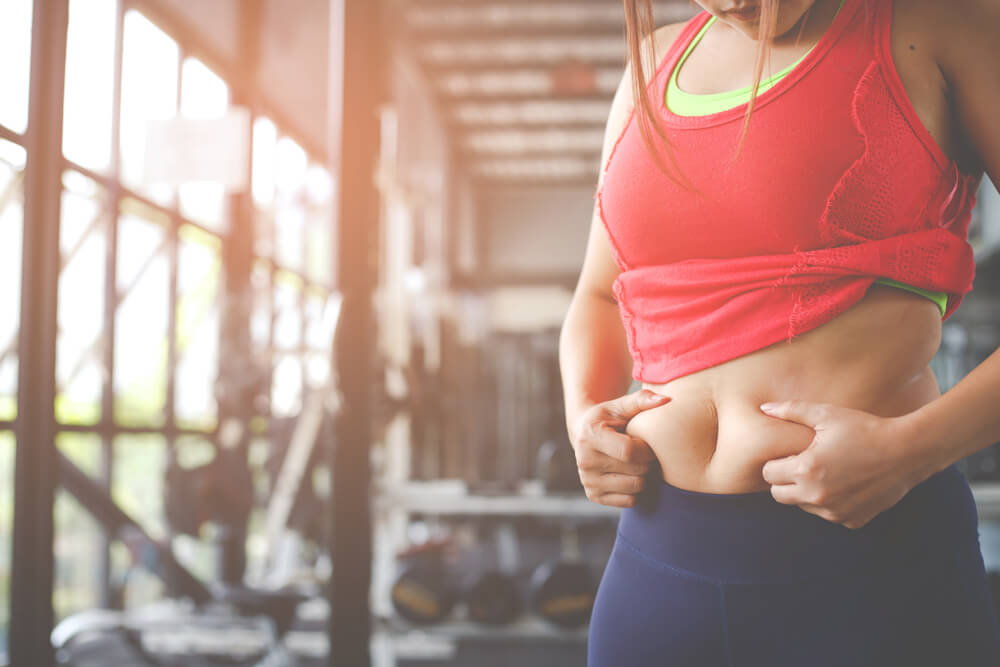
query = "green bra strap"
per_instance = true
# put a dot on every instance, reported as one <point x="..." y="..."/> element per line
<point x="940" y="298"/>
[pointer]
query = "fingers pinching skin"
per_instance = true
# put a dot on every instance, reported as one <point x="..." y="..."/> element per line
<point x="623" y="408"/>
<point x="593" y="460"/>
<point x="613" y="482"/>
<point x="803" y="412"/>
<point x="612" y="464"/>
<point x="780" y="471"/>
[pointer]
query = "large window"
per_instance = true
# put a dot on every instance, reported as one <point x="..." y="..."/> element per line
<point x="15" y="53"/>
<point x="83" y="235"/>
<point x="150" y="66"/>
<point x="12" y="159"/>
<point x="88" y="108"/>
<point x="6" y="529"/>
<point x="142" y="288"/>
<point x="78" y="540"/>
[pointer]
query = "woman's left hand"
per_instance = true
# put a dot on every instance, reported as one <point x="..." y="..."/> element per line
<point x="855" y="467"/>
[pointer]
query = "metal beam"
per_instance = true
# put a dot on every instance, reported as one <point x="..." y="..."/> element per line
<point x="543" y="113"/>
<point x="457" y="129"/>
<point x="545" y="83"/>
<point x="469" y="54"/>
<point x="10" y="135"/>
<point x="358" y="84"/>
<point x="519" y="142"/>
<point x="519" y="97"/>
<point x="473" y="3"/>
<point x="111" y="301"/>
<point x="237" y="364"/>
<point x="36" y="462"/>
<point x="497" y="64"/>
<point x="477" y="30"/>
<point x="544" y="15"/>
<point x="536" y="166"/>
<point x="115" y="521"/>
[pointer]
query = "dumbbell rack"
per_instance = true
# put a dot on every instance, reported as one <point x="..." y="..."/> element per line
<point x="393" y="503"/>
<point x="987" y="495"/>
<point x="451" y="497"/>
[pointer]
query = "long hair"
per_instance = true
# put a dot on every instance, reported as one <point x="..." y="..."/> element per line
<point x="639" y="25"/>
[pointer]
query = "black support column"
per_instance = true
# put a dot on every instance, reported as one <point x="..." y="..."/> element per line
<point x="238" y="369"/>
<point x="358" y="57"/>
<point x="36" y="465"/>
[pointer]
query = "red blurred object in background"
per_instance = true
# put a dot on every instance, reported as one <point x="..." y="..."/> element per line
<point x="574" y="76"/>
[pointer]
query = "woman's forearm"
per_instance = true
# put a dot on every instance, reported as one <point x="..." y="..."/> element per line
<point x="960" y="422"/>
<point x="593" y="354"/>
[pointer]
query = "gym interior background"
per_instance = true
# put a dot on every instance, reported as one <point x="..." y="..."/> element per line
<point x="281" y="289"/>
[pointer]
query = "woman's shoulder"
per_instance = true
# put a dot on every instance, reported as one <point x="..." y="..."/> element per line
<point x="663" y="38"/>
<point x="667" y="34"/>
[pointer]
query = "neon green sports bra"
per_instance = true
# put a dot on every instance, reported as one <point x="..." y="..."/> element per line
<point x="690" y="104"/>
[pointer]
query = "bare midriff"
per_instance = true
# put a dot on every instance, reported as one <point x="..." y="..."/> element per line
<point x="712" y="437"/>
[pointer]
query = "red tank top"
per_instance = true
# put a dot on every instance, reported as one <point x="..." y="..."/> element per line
<point x="838" y="183"/>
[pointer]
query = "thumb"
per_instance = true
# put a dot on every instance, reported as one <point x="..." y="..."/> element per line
<point x="627" y="406"/>
<point x="804" y="412"/>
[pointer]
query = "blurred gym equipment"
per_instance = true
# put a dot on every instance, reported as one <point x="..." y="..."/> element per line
<point x="493" y="598"/>
<point x="556" y="467"/>
<point x="563" y="589"/>
<point x="423" y="592"/>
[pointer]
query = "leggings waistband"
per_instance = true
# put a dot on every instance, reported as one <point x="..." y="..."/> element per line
<point x="751" y="537"/>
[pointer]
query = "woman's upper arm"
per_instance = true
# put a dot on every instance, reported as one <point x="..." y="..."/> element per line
<point x="968" y="34"/>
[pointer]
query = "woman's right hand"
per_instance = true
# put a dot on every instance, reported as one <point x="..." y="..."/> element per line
<point x="613" y="464"/>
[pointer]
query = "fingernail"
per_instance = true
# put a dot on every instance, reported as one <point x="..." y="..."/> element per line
<point x="653" y="397"/>
<point x="767" y="407"/>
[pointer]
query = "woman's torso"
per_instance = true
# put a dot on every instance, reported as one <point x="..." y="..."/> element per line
<point x="711" y="436"/>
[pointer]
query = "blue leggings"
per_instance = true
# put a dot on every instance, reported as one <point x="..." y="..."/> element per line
<point x="740" y="580"/>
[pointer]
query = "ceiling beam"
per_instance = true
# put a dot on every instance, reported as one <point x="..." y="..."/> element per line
<point x="528" y="113"/>
<point x="527" y="31"/>
<point x="435" y="70"/>
<point x="585" y="155"/>
<point x="541" y="96"/>
<point x="531" y="166"/>
<point x="586" y="126"/>
<point x="544" y="142"/>
<point x="513" y="13"/>
<point x="527" y="68"/>
<point x="570" y="82"/>
<point x="512" y="52"/>
<point x="661" y="4"/>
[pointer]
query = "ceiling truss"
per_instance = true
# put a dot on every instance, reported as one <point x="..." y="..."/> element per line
<point x="525" y="85"/>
